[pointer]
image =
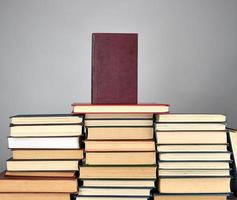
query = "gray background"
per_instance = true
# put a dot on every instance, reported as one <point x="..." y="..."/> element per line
<point x="187" y="54"/>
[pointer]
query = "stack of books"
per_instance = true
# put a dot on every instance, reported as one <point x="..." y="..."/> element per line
<point x="193" y="157"/>
<point x="120" y="159"/>
<point x="46" y="154"/>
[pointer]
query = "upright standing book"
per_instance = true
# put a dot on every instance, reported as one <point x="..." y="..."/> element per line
<point x="114" y="68"/>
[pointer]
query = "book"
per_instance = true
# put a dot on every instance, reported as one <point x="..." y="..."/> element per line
<point x="120" y="133"/>
<point x="41" y="174"/>
<point x="194" y="156"/>
<point x="193" y="172"/>
<point x="35" y="196"/>
<point x="42" y="165"/>
<point x="119" y="145"/>
<point x="119" y="116"/>
<point x="44" y="143"/>
<point x="118" y="122"/>
<point x="116" y="109"/>
<point x="190" y="127"/>
<point x="111" y="198"/>
<point x="190" y="118"/>
<point x="114" y="68"/>
<point x="191" y="137"/>
<point x="192" y="148"/>
<point x="45" y="119"/>
<point x="45" y="130"/>
<point x="121" y="158"/>
<point x="190" y="197"/>
<point x="118" y="172"/>
<point x="97" y="191"/>
<point x="119" y="183"/>
<point x="38" y="184"/>
<point x="194" y="185"/>
<point x="193" y="165"/>
<point x="47" y="154"/>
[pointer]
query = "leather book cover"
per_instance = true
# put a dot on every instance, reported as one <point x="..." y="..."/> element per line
<point x="114" y="68"/>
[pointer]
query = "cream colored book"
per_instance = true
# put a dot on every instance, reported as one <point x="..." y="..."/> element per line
<point x="194" y="165"/>
<point x="95" y="191"/>
<point x="46" y="119"/>
<point x="34" y="196"/>
<point x="214" y="156"/>
<point x="190" y="118"/>
<point x="191" y="137"/>
<point x="192" y="148"/>
<point x="193" y="172"/>
<point x="110" y="198"/>
<point x="119" y="116"/>
<point x="190" y="127"/>
<point x="119" y="122"/>
<point x="117" y="172"/>
<point x="196" y="185"/>
<point x="42" y="165"/>
<point x="119" y="183"/>
<point x="120" y="145"/>
<point x="121" y="158"/>
<point x="119" y="109"/>
<point x="45" y="130"/>
<point x="120" y="133"/>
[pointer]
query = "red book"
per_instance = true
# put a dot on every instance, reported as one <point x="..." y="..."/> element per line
<point x="114" y="68"/>
<point x="119" y="108"/>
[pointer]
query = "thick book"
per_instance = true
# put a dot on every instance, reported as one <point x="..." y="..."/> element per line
<point x="114" y="68"/>
<point x="80" y="108"/>
<point x="37" y="184"/>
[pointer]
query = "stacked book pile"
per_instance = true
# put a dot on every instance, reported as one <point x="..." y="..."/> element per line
<point x="120" y="159"/>
<point x="193" y="157"/>
<point x="46" y="155"/>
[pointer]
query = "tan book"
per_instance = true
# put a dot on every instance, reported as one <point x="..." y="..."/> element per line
<point x="194" y="185"/>
<point x="37" y="184"/>
<point x="191" y="197"/>
<point x="190" y="127"/>
<point x="40" y="174"/>
<point x="47" y="154"/>
<point x="193" y="172"/>
<point x="115" y="172"/>
<point x="194" y="165"/>
<point x="119" y="116"/>
<point x="119" y="109"/>
<point x="120" y="133"/>
<point x="42" y="165"/>
<point x="191" y="137"/>
<point x="214" y="156"/>
<point x="190" y="118"/>
<point x="46" y="119"/>
<point x="34" y="196"/>
<point x="119" y="122"/>
<point x="46" y="130"/>
<point x="192" y="148"/>
<point x="120" y="158"/>
<point x="119" y="183"/>
<point x="136" y="145"/>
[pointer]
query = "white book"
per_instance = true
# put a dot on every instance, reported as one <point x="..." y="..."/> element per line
<point x="119" y="183"/>
<point x="44" y="143"/>
<point x="96" y="191"/>
<point x="110" y="198"/>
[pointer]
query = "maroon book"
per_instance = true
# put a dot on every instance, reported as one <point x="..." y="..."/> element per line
<point x="114" y="68"/>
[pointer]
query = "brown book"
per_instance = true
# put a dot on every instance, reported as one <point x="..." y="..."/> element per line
<point x="114" y="68"/>
<point x="119" y="145"/>
<point x="118" y="172"/>
<point x="47" y="154"/>
<point x="34" y="196"/>
<point x="190" y="197"/>
<point x="120" y="133"/>
<point x="194" y="185"/>
<point x="37" y="184"/>
<point x="121" y="158"/>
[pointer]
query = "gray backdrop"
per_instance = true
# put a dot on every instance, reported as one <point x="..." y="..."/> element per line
<point x="187" y="54"/>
